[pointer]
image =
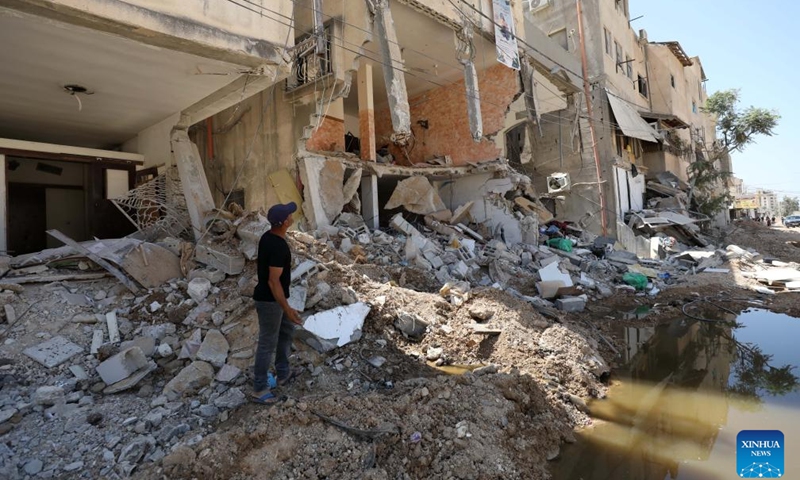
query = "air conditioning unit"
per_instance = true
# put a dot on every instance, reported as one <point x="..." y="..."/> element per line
<point x="558" y="182"/>
<point x="536" y="5"/>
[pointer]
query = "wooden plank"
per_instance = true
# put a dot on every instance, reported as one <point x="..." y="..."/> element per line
<point x="54" y="278"/>
<point x="96" y="259"/>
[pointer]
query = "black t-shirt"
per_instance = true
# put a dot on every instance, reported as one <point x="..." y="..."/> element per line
<point x="273" y="251"/>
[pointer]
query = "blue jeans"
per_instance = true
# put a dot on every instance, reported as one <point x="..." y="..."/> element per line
<point x="275" y="333"/>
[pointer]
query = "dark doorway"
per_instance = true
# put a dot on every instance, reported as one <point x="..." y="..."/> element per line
<point x="27" y="218"/>
<point x="515" y="144"/>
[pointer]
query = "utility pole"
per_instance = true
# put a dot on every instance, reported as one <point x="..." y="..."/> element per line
<point x="593" y="136"/>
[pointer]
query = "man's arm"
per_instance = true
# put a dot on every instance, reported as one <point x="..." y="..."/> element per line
<point x="276" y="288"/>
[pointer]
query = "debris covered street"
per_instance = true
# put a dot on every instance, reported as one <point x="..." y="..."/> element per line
<point x="476" y="376"/>
<point x="466" y="223"/>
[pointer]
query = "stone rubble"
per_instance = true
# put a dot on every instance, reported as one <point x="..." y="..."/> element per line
<point x="130" y="382"/>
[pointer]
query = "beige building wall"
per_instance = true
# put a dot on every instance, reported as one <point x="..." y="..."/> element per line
<point x="222" y="30"/>
<point x="623" y="79"/>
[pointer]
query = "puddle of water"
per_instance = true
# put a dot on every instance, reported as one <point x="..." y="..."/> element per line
<point x="686" y="391"/>
<point x="638" y="313"/>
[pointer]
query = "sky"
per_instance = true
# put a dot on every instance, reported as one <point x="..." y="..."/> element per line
<point x="752" y="46"/>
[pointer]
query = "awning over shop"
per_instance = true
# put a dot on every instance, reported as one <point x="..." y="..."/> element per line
<point x="629" y="120"/>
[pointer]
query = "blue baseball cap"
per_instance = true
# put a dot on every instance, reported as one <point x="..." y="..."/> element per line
<point x="278" y="214"/>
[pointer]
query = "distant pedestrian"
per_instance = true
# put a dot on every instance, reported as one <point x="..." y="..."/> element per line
<point x="769" y="222"/>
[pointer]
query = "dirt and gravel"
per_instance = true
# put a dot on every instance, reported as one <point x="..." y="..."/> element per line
<point x="491" y="389"/>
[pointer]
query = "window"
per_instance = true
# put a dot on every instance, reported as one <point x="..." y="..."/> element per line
<point x="642" y="82"/>
<point x="607" y="34"/>
<point x="672" y="80"/>
<point x="309" y="67"/>
<point x="618" y="50"/>
<point x="622" y="6"/>
<point x="694" y="106"/>
<point x="628" y="66"/>
<point x="560" y="37"/>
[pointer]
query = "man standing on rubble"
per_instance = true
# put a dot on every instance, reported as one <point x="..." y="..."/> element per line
<point x="276" y="319"/>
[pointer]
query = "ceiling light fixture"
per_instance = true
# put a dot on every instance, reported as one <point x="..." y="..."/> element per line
<point x="75" y="90"/>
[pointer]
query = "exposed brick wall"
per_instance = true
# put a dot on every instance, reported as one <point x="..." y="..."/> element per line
<point x="329" y="137"/>
<point x="445" y="109"/>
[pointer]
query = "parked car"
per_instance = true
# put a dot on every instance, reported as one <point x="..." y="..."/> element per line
<point x="791" y="221"/>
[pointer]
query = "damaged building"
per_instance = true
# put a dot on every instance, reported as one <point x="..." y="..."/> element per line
<point x="644" y="119"/>
<point x="406" y="89"/>
<point x="334" y="105"/>
<point x="95" y="96"/>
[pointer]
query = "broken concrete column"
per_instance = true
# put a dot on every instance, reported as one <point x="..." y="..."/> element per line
<point x="366" y="112"/>
<point x="193" y="179"/>
<point x="393" y="74"/>
<point x="370" y="209"/>
<point x="465" y="55"/>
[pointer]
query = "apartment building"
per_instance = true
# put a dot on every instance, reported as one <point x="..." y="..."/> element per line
<point x="619" y="91"/>
<point x="677" y="97"/>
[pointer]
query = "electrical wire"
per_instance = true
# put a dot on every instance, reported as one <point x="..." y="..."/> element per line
<point x="381" y="62"/>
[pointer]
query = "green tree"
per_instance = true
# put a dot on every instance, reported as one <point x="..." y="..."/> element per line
<point x="736" y="129"/>
<point x="789" y="205"/>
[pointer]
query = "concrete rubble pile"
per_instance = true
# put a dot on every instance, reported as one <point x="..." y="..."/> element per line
<point x="667" y="220"/>
<point x="127" y="371"/>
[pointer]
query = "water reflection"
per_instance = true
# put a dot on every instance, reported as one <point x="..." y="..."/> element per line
<point x="669" y="412"/>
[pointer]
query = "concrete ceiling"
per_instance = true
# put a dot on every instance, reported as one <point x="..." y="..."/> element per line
<point x="135" y="85"/>
<point x="428" y="50"/>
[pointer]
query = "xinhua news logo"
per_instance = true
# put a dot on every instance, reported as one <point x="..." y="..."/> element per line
<point x="759" y="454"/>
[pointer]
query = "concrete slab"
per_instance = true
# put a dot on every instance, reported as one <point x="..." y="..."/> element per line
<point x="552" y="273"/>
<point x="230" y="262"/>
<point x="228" y="373"/>
<point x="132" y="380"/>
<point x="113" y="327"/>
<point x="549" y="289"/>
<point x="146" y="344"/>
<point x="340" y="325"/>
<point x="122" y="365"/>
<point x="571" y="304"/>
<point x="53" y="352"/>
<point x="97" y="341"/>
<point x="416" y="195"/>
<point x="214" y="348"/>
<point x="297" y="297"/>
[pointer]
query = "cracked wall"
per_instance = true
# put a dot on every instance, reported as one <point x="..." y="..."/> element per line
<point x="448" y="132"/>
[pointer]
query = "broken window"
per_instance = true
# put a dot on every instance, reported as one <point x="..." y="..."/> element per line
<point x="628" y="66"/>
<point x="308" y="67"/>
<point x="607" y="34"/>
<point x="642" y="86"/>
<point x="618" y="49"/>
<point x="515" y="144"/>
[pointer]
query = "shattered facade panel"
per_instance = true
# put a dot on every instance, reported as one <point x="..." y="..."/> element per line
<point x="444" y="111"/>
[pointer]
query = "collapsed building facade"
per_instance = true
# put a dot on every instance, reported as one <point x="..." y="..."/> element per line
<point x="646" y="112"/>
<point x="331" y="107"/>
